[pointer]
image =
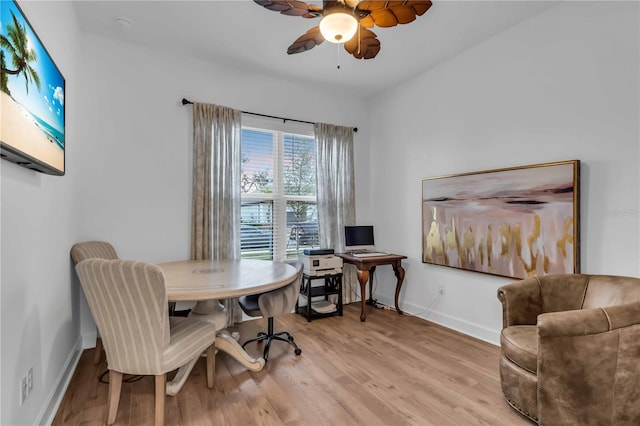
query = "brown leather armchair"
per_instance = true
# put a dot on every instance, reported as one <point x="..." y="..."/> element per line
<point x="571" y="349"/>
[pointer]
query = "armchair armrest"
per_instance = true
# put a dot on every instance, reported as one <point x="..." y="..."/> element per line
<point x="588" y="371"/>
<point x="588" y="321"/>
<point x="521" y="302"/>
<point x="580" y="322"/>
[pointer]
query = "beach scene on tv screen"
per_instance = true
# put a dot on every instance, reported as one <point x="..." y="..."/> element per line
<point x="31" y="90"/>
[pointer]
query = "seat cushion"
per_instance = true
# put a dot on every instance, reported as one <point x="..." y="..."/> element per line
<point x="217" y="318"/>
<point x="520" y="345"/>
<point x="249" y="305"/>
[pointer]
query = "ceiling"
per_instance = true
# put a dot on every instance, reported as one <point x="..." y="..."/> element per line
<point x="242" y="33"/>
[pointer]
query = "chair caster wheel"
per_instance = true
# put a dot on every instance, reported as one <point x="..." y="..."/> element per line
<point x="298" y="351"/>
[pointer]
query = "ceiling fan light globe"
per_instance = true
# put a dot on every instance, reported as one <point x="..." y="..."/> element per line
<point x="338" y="27"/>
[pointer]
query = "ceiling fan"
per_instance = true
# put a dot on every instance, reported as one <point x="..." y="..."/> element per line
<point x="347" y="21"/>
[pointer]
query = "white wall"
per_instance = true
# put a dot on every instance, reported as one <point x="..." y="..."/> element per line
<point x="39" y="298"/>
<point x="136" y="137"/>
<point x="562" y="85"/>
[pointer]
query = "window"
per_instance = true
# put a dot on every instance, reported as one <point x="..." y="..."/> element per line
<point x="279" y="216"/>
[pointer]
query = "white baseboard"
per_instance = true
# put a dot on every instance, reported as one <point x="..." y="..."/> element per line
<point x="474" y="330"/>
<point x="89" y="341"/>
<point x="471" y="329"/>
<point x="52" y="403"/>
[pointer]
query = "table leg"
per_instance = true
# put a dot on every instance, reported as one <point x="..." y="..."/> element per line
<point x="226" y="343"/>
<point x="308" y="287"/>
<point x="370" y="301"/>
<point x="363" y="277"/>
<point x="398" y="270"/>
<point x="174" y="386"/>
<point x="340" y="294"/>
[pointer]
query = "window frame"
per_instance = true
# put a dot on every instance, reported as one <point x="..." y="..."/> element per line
<point x="278" y="199"/>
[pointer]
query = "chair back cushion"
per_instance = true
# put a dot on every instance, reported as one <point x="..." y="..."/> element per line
<point x="283" y="300"/>
<point x="569" y="292"/>
<point x="607" y="290"/>
<point x="128" y="301"/>
<point x="563" y="292"/>
<point x="92" y="249"/>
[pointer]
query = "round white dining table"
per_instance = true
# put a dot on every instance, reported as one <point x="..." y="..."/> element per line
<point x="221" y="279"/>
<point x="205" y="281"/>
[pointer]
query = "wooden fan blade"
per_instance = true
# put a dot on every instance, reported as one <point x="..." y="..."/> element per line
<point x="372" y="5"/>
<point x="308" y="41"/>
<point x="403" y="14"/>
<point x="420" y="6"/>
<point x="291" y="7"/>
<point x="391" y="13"/>
<point x="369" y="45"/>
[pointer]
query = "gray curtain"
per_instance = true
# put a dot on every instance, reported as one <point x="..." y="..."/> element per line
<point x="336" y="194"/>
<point x="215" y="220"/>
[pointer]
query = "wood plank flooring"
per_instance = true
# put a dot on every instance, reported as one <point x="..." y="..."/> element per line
<point x="389" y="370"/>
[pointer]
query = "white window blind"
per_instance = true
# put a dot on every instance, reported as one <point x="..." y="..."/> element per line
<point x="278" y="186"/>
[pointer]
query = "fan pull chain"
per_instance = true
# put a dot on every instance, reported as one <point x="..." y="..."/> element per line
<point x="338" y="55"/>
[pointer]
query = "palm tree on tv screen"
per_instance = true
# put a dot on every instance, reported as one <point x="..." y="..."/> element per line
<point x="3" y="77"/>
<point x="22" y="55"/>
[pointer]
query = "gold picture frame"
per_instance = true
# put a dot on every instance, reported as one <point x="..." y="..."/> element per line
<point x="516" y="222"/>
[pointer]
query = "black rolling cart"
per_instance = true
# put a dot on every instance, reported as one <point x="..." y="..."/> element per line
<point x="331" y="284"/>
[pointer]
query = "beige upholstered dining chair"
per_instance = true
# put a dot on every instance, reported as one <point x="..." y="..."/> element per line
<point x="273" y="303"/>
<point x="128" y="301"/>
<point x="91" y="250"/>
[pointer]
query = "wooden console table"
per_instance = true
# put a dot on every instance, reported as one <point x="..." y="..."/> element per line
<point x="366" y="268"/>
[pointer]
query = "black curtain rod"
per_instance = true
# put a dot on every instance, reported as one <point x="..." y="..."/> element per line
<point x="188" y="102"/>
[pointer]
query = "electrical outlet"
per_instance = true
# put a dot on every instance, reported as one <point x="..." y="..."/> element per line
<point x="441" y="289"/>
<point x="24" y="390"/>
<point x="29" y="380"/>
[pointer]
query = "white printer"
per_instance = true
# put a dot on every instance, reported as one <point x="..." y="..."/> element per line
<point x="320" y="262"/>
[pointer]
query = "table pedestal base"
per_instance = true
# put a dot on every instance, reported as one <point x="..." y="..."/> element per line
<point x="174" y="386"/>
<point x="213" y="312"/>
<point x="226" y="343"/>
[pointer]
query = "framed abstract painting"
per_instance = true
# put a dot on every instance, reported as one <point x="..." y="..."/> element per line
<point x="515" y="222"/>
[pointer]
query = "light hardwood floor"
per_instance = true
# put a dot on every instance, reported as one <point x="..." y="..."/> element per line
<point x="389" y="370"/>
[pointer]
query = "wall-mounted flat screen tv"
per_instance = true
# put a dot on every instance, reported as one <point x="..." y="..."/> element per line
<point x="32" y="117"/>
